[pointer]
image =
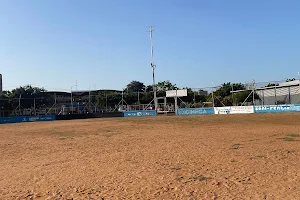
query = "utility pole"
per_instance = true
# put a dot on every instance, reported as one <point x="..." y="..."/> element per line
<point x="232" y="94"/>
<point x="253" y="91"/>
<point x="71" y="101"/>
<point x="72" y="96"/>
<point x="153" y="66"/>
<point x="105" y="101"/>
<point x="55" y="103"/>
<point x="89" y="99"/>
<point x="34" y="107"/>
<point x="212" y="95"/>
<point x="20" y="104"/>
<point x="122" y="98"/>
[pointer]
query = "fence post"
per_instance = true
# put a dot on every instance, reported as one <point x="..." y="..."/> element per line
<point x="213" y="101"/>
<point x="176" y="104"/>
<point x="34" y="108"/>
<point x="253" y="92"/>
<point x="106" y="101"/>
<point x="232" y="94"/>
<point x="20" y="104"/>
<point x="263" y="97"/>
<point x="275" y="95"/>
<point x="55" y="103"/>
<point x="290" y="100"/>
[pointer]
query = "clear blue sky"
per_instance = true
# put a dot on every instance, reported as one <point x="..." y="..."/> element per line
<point x="104" y="43"/>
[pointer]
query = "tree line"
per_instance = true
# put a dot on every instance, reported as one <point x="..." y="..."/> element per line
<point x="30" y="97"/>
<point x="135" y="92"/>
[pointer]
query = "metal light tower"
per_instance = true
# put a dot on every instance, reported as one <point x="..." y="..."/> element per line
<point x="153" y="66"/>
<point x="72" y="96"/>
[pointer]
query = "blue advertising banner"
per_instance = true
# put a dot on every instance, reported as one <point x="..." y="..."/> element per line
<point x="140" y="113"/>
<point x="17" y="119"/>
<point x="195" y="111"/>
<point x="277" y="108"/>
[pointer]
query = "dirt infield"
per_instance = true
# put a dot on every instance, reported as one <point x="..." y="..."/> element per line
<point x="200" y="157"/>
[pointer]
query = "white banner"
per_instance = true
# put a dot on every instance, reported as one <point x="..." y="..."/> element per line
<point x="241" y="109"/>
<point x="222" y="110"/>
<point x="182" y="93"/>
<point x="234" y="110"/>
<point x="176" y="93"/>
<point x="171" y="93"/>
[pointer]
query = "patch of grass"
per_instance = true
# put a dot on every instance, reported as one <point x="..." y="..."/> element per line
<point x="256" y="157"/>
<point x="259" y="156"/>
<point x="190" y="195"/>
<point x="110" y="134"/>
<point x="293" y="135"/>
<point x="178" y="178"/>
<point x="291" y="151"/>
<point x="62" y="134"/>
<point x="198" y="178"/>
<point x="274" y="135"/>
<point x="289" y="139"/>
<point x="176" y="168"/>
<point x="233" y="160"/>
<point x="107" y="132"/>
<point x="236" y="146"/>
<point x="62" y="138"/>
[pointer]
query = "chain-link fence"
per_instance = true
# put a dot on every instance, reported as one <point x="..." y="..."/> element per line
<point x="228" y="94"/>
<point x="237" y="94"/>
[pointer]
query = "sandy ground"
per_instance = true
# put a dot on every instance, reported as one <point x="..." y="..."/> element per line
<point x="199" y="157"/>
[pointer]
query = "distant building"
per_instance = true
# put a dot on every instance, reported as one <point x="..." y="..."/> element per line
<point x="203" y="92"/>
<point x="80" y="100"/>
<point x="78" y="96"/>
<point x="283" y="93"/>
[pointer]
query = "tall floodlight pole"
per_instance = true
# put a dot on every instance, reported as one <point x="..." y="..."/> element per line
<point x="253" y="91"/>
<point x="212" y="95"/>
<point x="71" y="100"/>
<point x="153" y="66"/>
<point x="72" y="97"/>
<point x="89" y="99"/>
<point x="20" y="104"/>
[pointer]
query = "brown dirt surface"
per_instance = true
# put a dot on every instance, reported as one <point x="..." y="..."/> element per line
<point x="197" y="157"/>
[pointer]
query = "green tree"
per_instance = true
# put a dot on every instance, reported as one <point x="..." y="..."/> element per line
<point x="5" y="103"/>
<point x="240" y="97"/>
<point x="272" y="84"/>
<point x="224" y="96"/>
<point x="290" y="79"/>
<point x="226" y="88"/>
<point x="166" y="85"/>
<point x="108" y="99"/>
<point x="148" y="88"/>
<point x="135" y="86"/>
<point x="29" y="96"/>
<point x="193" y="98"/>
